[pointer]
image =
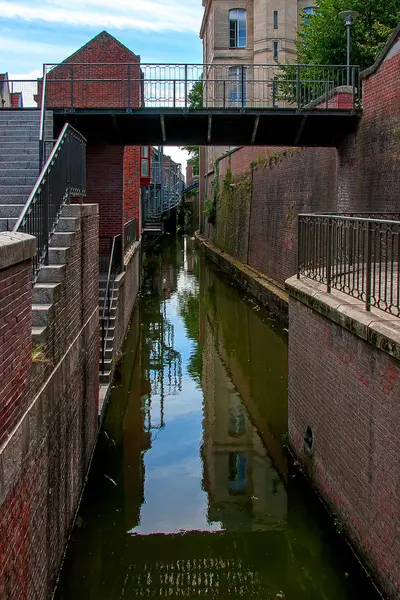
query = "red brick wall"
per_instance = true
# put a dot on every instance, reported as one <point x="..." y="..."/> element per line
<point x="15" y="344"/>
<point x="369" y="176"/>
<point x="348" y="392"/>
<point x="44" y="464"/>
<point x="291" y="185"/>
<point x="112" y="83"/>
<point x="105" y="183"/>
<point x="131" y="191"/>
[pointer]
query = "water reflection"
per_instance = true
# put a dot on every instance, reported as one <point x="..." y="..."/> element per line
<point x="190" y="493"/>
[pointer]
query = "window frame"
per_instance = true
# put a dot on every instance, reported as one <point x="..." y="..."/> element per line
<point x="276" y="19"/>
<point x="275" y="49"/>
<point x="235" y="85"/>
<point x="237" y="28"/>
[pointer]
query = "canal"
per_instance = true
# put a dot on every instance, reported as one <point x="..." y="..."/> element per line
<point x="191" y="492"/>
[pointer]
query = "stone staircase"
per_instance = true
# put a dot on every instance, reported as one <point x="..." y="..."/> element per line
<point x="47" y="289"/>
<point x="19" y="162"/>
<point x="106" y="376"/>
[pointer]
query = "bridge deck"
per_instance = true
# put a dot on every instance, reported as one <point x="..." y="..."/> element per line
<point x="211" y="126"/>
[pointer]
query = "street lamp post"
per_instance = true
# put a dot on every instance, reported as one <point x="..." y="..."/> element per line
<point x="348" y="16"/>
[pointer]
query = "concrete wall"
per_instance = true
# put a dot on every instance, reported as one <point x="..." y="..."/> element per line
<point x="347" y="390"/>
<point x="45" y="451"/>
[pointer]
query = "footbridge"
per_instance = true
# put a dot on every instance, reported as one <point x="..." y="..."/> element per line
<point x="219" y="104"/>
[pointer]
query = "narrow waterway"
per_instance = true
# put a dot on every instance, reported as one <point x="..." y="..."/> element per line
<point x="191" y="493"/>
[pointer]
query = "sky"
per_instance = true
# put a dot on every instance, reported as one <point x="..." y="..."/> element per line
<point x="33" y="32"/>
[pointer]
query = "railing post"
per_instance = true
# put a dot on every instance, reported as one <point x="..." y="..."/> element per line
<point x="242" y="83"/>
<point x="274" y="94"/>
<point x="327" y="94"/>
<point x="353" y="79"/>
<point x="186" y="86"/>
<point x="174" y="94"/>
<point x="329" y="256"/>
<point x="299" y="245"/>
<point x="129" y="85"/>
<point x="224" y="93"/>
<point x="368" y="272"/>
<point x="298" y="89"/>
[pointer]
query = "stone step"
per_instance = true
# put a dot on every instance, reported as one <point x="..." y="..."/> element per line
<point x="19" y="126"/>
<point x="62" y="239"/>
<point x="51" y="273"/>
<point x="6" y="145"/>
<point x="17" y="154"/>
<point x="46" y="293"/>
<point x="10" y="210"/>
<point x="19" y="136"/>
<point x="38" y="335"/>
<point x="30" y="167"/>
<point x="16" y="189"/>
<point x="41" y="314"/>
<point x="105" y="378"/>
<point x="59" y="256"/>
<point x="18" y="176"/>
<point x="14" y="198"/>
<point x="68" y="224"/>
<point x="7" y="224"/>
<point x="71" y="210"/>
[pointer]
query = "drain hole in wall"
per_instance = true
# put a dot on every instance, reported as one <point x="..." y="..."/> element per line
<point x="309" y="439"/>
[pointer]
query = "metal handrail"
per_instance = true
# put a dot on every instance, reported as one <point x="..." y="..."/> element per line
<point x="129" y="234"/>
<point x="42" y="119"/>
<point x="114" y="266"/>
<point x="357" y="256"/>
<point x="42" y="210"/>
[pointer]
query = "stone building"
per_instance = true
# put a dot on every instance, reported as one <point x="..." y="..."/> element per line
<point x="250" y="33"/>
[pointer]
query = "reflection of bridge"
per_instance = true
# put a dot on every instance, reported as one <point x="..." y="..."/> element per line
<point x="292" y="105"/>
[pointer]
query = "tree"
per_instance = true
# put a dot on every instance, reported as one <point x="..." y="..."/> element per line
<point x="322" y="38"/>
<point x="195" y="101"/>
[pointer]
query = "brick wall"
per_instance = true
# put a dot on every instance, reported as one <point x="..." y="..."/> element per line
<point x="291" y="184"/>
<point x="348" y="392"/>
<point x="44" y="462"/>
<point x="15" y="343"/>
<point x="105" y="182"/>
<point x="131" y="185"/>
<point x="101" y="74"/>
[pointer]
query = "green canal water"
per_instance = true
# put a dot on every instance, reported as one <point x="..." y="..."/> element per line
<point x="191" y="493"/>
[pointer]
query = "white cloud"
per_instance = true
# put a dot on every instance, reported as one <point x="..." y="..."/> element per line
<point x="18" y="46"/>
<point x="178" y="155"/>
<point x="160" y="15"/>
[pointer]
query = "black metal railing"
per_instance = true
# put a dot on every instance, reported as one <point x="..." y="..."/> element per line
<point x="115" y="266"/>
<point x="357" y="256"/>
<point x="63" y="176"/>
<point x="130" y="86"/>
<point x="130" y="235"/>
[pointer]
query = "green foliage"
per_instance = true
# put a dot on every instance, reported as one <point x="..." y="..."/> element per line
<point x="195" y="101"/>
<point x="210" y="210"/>
<point x="322" y="39"/>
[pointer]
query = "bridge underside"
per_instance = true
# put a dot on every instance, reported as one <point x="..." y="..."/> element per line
<point x="211" y="127"/>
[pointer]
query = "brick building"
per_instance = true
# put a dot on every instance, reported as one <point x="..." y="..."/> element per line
<point x="103" y="74"/>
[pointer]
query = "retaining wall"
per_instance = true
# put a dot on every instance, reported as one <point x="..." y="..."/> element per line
<point x="46" y="448"/>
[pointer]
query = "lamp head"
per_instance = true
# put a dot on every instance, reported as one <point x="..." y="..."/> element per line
<point x="348" y="16"/>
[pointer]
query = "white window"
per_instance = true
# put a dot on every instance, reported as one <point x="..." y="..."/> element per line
<point x="238" y="28"/>
<point x="145" y="152"/>
<point x="237" y="86"/>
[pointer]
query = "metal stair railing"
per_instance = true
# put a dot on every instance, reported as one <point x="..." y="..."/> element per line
<point x="63" y="175"/>
<point x="114" y="268"/>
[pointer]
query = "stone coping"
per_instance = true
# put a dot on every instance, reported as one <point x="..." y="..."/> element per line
<point x="375" y="327"/>
<point x="15" y="248"/>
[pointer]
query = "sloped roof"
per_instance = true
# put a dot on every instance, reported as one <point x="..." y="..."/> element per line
<point x="395" y="37"/>
<point x="102" y="37"/>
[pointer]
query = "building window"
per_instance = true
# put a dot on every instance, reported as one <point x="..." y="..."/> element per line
<point x="238" y="28"/>
<point x="144" y="168"/>
<point x="276" y="50"/>
<point x="237" y="479"/>
<point x="237" y="86"/>
<point x="145" y="152"/>
<point x="275" y="19"/>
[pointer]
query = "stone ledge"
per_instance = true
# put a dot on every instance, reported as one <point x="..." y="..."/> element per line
<point x="15" y="248"/>
<point x="375" y="327"/>
<point x="267" y="292"/>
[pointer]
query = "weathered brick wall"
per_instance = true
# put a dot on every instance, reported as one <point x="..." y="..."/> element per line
<point x="105" y="182"/>
<point x="15" y="342"/>
<point x="131" y="185"/>
<point x="101" y="74"/>
<point x="129" y="283"/>
<point x="300" y="181"/>
<point x="348" y="392"/>
<point x="44" y="462"/>
<point x="369" y="175"/>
